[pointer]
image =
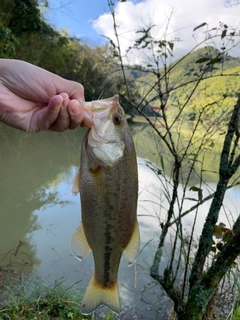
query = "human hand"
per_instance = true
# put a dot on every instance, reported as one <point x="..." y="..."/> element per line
<point x="33" y="99"/>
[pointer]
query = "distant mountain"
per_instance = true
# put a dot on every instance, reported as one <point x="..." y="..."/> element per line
<point x="194" y="62"/>
<point x="199" y="59"/>
<point x="221" y="80"/>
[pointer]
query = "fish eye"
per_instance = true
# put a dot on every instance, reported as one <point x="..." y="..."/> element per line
<point x="117" y="119"/>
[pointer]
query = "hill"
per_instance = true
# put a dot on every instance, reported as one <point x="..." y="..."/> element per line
<point x="218" y="75"/>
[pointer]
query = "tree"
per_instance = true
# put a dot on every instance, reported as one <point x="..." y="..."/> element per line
<point x="192" y="286"/>
<point x="26" y="32"/>
<point x="26" y="35"/>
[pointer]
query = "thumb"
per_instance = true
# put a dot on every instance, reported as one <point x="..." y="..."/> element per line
<point x="43" y="118"/>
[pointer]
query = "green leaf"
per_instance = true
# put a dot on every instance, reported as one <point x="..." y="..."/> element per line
<point x="145" y="45"/>
<point x="110" y="40"/>
<point x="171" y="45"/>
<point x="199" y="191"/>
<point x="200" y="26"/>
<point x="217" y="230"/>
<point x="213" y="249"/>
<point x="195" y="189"/>
<point x="162" y="163"/>
<point x="227" y="235"/>
<point x="223" y="35"/>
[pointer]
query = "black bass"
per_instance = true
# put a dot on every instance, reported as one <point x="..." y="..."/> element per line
<point x="108" y="185"/>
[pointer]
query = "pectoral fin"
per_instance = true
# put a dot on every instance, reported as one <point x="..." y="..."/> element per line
<point x="76" y="184"/>
<point x="78" y="244"/>
<point x="132" y="248"/>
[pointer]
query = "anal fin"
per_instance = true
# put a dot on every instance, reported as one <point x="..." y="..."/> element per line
<point x="78" y="243"/>
<point x="132" y="248"/>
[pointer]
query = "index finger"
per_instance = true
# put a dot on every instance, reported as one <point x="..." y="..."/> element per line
<point x="78" y="115"/>
<point x="74" y="89"/>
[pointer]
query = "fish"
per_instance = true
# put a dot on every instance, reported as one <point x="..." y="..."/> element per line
<point x="108" y="184"/>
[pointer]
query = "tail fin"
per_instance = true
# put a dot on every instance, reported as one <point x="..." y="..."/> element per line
<point x="97" y="295"/>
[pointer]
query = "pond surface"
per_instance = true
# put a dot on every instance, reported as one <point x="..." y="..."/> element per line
<point x="39" y="214"/>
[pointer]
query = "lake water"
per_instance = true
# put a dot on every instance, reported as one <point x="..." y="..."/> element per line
<point x="39" y="214"/>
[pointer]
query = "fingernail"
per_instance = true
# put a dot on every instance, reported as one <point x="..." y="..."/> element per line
<point x="64" y="96"/>
<point x="81" y="101"/>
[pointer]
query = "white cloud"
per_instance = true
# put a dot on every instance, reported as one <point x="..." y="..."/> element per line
<point x="186" y="15"/>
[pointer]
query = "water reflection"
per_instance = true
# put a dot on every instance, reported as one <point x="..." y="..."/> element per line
<point x="29" y="163"/>
<point x="151" y="147"/>
<point x="38" y="209"/>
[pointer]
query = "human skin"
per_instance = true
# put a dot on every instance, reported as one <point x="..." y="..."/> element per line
<point x="33" y="99"/>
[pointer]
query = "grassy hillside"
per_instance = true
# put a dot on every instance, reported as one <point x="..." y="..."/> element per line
<point x="220" y="82"/>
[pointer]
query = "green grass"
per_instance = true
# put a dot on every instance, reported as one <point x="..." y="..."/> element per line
<point x="33" y="299"/>
<point x="236" y="311"/>
<point x="236" y="314"/>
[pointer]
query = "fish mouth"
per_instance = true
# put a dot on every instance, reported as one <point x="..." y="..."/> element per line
<point x="90" y="114"/>
<point x="101" y="108"/>
<point x="103" y="104"/>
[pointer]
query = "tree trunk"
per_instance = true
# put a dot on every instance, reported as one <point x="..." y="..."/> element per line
<point x="210" y="308"/>
<point x="204" y="290"/>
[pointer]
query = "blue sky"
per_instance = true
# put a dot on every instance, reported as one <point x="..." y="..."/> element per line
<point x="173" y="19"/>
<point x="76" y="16"/>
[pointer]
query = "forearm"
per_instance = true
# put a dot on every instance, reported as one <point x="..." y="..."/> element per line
<point x="35" y="83"/>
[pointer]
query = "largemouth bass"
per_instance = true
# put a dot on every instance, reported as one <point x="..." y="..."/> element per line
<point x="108" y="185"/>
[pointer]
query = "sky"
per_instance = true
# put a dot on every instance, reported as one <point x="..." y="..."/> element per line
<point x="77" y="16"/>
<point x="90" y="19"/>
